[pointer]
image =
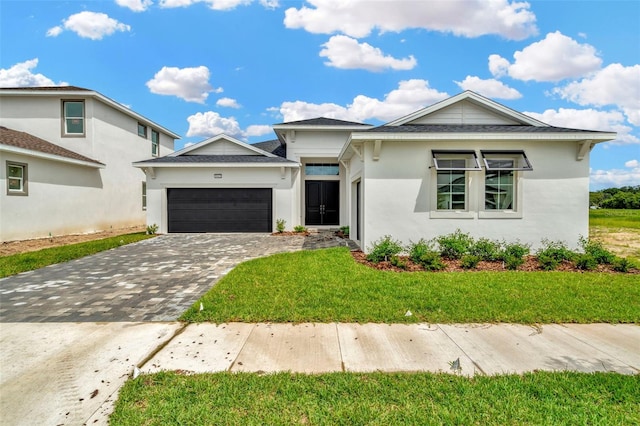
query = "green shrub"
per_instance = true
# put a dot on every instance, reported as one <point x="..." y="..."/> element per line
<point x="621" y="264"/>
<point x="597" y="251"/>
<point x="344" y="230"/>
<point x="586" y="262"/>
<point x="469" y="261"/>
<point x="513" y="262"/>
<point x="548" y="262"/>
<point x="300" y="228"/>
<point x="416" y="250"/>
<point x="486" y="249"/>
<point x="398" y="262"/>
<point x="280" y="224"/>
<point x="517" y="250"/>
<point x="556" y="250"/>
<point x="151" y="229"/>
<point x="454" y="246"/>
<point x="384" y="249"/>
<point x="431" y="261"/>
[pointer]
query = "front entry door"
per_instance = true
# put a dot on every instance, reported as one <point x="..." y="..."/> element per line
<point x="322" y="204"/>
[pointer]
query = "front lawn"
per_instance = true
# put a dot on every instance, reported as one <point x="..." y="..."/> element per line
<point x="328" y="285"/>
<point x="379" y="399"/>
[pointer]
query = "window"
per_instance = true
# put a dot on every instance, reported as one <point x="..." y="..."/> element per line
<point x="451" y="177"/>
<point x="16" y="179"/>
<point x="500" y="178"/>
<point x="73" y="112"/>
<point x="155" y="143"/>
<point x="142" y="130"/>
<point x="321" y="169"/>
<point x="144" y="195"/>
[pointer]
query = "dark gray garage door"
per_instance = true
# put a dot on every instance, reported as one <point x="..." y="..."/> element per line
<point x="219" y="209"/>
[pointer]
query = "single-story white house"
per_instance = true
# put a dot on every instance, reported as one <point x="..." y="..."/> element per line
<point x="65" y="162"/>
<point x="464" y="163"/>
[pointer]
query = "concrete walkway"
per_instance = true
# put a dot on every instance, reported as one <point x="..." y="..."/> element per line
<point x="70" y="373"/>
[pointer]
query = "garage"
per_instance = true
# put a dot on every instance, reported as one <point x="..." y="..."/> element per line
<point x="219" y="209"/>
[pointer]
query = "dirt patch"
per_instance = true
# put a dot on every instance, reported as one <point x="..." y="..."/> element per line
<point x="530" y="264"/>
<point x="624" y="242"/>
<point x="15" y="247"/>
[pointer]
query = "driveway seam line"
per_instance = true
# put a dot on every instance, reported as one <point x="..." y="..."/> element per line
<point x="163" y="345"/>
<point x="475" y="364"/>
<point x="255" y="325"/>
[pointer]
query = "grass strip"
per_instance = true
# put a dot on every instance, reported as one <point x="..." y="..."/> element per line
<point x="22" y="262"/>
<point x="558" y="398"/>
<point x="328" y="285"/>
<point x="615" y="218"/>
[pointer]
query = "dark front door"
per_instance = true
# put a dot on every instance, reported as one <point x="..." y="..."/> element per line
<point x="322" y="202"/>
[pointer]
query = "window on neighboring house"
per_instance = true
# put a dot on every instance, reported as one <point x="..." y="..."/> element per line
<point x="73" y="112"/>
<point x="451" y="177"/>
<point x="500" y="178"/>
<point x="321" y="169"/>
<point x="144" y="195"/>
<point x="16" y="179"/>
<point x="142" y="130"/>
<point x="155" y="143"/>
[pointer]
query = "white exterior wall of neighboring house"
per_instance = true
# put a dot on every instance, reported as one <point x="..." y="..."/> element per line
<point x="399" y="193"/>
<point x="64" y="198"/>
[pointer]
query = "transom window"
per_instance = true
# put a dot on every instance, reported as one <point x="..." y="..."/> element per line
<point x="455" y="160"/>
<point x="73" y="117"/>
<point x="155" y="143"/>
<point x="16" y="179"/>
<point x="321" y="169"/>
<point x="506" y="160"/>
<point x="142" y="130"/>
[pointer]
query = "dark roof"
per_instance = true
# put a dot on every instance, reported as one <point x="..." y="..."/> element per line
<point x="33" y="143"/>
<point x="472" y="128"/>
<point x="323" y="121"/>
<point x="190" y="159"/>
<point x="274" y="147"/>
<point x="48" y="88"/>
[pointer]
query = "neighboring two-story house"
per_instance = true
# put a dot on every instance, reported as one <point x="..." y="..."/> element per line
<point x="465" y="163"/>
<point x="65" y="162"/>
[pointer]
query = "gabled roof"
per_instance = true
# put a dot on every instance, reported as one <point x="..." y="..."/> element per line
<point x="273" y="146"/>
<point x="473" y="98"/>
<point x="321" y="121"/>
<point x="472" y="128"/>
<point x="210" y="159"/>
<point x="82" y="92"/>
<point x="218" y="139"/>
<point x="27" y="144"/>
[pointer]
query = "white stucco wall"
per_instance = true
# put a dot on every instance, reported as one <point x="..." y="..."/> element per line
<point x="232" y="177"/>
<point x="399" y="200"/>
<point x="64" y="198"/>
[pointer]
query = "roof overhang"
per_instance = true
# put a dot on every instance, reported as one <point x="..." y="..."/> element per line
<point x="157" y="165"/>
<point x="50" y="157"/>
<point x="217" y="138"/>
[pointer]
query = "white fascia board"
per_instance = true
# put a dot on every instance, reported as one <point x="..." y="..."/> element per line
<point x="320" y="127"/>
<point x="578" y="136"/>
<point x="51" y="157"/>
<point x="92" y="94"/>
<point x="216" y="165"/>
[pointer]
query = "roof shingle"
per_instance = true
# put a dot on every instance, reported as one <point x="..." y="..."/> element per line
<point x="323" y="121"/>
<point x="191" y="159"/>
<point x="471" y="128"/>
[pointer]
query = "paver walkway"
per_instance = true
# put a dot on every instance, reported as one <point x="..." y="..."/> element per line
<point x="152" y="280"/>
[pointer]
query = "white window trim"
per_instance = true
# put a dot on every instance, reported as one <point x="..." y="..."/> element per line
<point x="156" y="144"/>
<point x="25" y="179"/>
<point x="469" y="199"/>
<point x="146" y="132"/>
<point x="66" y="134"/>
<point x="515" y="213"/>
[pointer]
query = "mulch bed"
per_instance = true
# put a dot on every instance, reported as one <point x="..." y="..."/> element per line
<point x="530" y="264"/>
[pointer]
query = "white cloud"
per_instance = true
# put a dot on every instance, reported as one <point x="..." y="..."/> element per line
<point x="589" y="119"/>
<point x="228" y="103"/>
<point x="135" y="5"/>
<point x="210" y="123"/>
<point x="258" y="130"/>
<point x="615" y="177"/>
<point x="469" y="18"/>
<point x="613" y="85"/>
<point x="213" y="4"/>
<point x="554" y="58"/>
<point x="346" y="53"/>
<point x="490" y="88"/>
<point x="190" y="84"/>
<point x="632" y="163"/>
<point x="270" y="4"/>
<point x="21" y="75"/>
<point x="90" y="25"/>
<point x="408" y="97"/>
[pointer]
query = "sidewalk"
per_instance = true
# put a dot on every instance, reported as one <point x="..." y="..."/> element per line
<point x="480" y="349"/>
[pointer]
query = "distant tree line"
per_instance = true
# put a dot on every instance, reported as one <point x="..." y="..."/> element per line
<point x="627" y="197"/>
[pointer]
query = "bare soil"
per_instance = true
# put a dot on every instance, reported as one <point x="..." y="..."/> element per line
<point x="15" y="247"/>
<point x="624" y="242"/>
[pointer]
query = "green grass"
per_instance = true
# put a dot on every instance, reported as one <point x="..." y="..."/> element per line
<point x="540" y="398"/>
<point x="328" y="285"/>
<point x="615" y="218"/>
<point x="17" y="263"/>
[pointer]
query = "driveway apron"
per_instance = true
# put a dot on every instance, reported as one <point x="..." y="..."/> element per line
<point x="152" y="280"/>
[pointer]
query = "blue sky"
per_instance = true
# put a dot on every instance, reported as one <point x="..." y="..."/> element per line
<point x="203" y="67"/>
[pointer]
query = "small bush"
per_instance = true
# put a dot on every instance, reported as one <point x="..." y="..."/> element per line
<point x="486" y="249"/>
<point x="280" y="224"/>
<point x="398" y="262"/>
<point x="586" y="262"/>
<point x="556" y="250"/>
<point x="416" y="250"/>
<point x="454" y="246"/>
<point x="513" y="262"/>
<point x="621" y="264"/>
<point x="300" y="228"/>
<point x="384" y="249"/>
<point x="597" y="251"/>
<point x="469" y="261"/>
<point x="516" y="250"/>
<point x="151" y="229"/>
<point x="344" y="230"/>
<point x="547" y="262"/>
<point x="431" y="261"/>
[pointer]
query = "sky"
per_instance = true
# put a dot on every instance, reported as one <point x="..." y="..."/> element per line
<point x="204" y="67"/>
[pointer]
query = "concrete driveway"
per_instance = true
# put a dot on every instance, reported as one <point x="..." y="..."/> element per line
<point x="152" y="280"/>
